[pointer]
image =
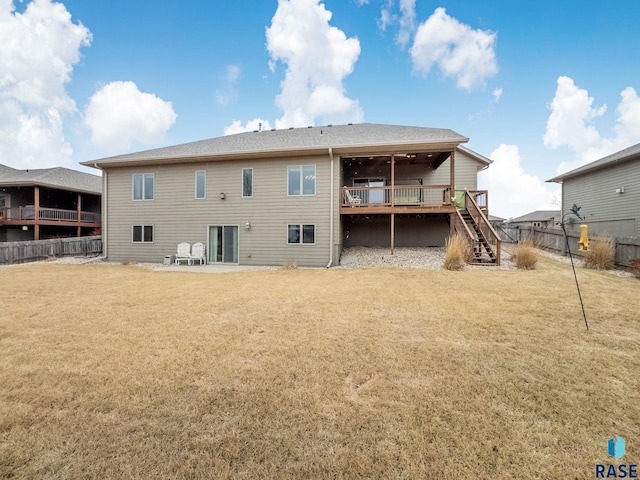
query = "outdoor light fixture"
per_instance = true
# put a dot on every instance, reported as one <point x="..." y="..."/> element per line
<point x="221" y="195"/>
<point x="620" y="190"/>
<point x="247" y="226"/>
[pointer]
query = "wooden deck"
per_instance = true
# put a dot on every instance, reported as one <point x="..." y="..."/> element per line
<point x="26" y="215"/>
<point x="403" y="199"/>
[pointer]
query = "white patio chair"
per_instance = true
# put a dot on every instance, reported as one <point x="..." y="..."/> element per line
<point x="352" y="199"/>
<point x="197" y="253"/>
<point x="183" y="253"/>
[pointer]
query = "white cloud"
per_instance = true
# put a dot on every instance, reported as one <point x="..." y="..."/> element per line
<point x="459" y="51"/>
<point x="497" y="94"/>
<point x="570" y="124"/>
<point x="251" y="126"/>
<point x="512" y="192"/>
<point x="318" y="57"/>
<point x="119" y="114"/>
<point x="38" y="50"/>
<point x="228" y="94"/>
<point x="407" y="21"/>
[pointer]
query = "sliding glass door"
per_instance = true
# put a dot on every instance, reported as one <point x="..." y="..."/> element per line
<point x="223" y="244"/>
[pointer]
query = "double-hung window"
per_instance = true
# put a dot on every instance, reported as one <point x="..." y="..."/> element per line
<point x="301" y="234"/>
<point x="142" y="234"/>
<point x="143" y="186"/>
<point x="201" y="183"/>
<point x="301" y="180"/>
<point x="247" y="182"/>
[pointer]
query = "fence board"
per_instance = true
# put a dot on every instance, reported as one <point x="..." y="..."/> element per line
<point x="31" y="251"/>
<point x="626" y="248"/>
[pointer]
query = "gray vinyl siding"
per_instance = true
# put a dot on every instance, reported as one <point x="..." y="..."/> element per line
<point x="605" y="211"/>
<point x="177" y="216"/>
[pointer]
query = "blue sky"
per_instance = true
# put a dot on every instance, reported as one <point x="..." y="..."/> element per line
<point x="538" y="87"/>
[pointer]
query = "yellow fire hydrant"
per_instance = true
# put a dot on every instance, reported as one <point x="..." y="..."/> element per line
<point x="583" y="244"/>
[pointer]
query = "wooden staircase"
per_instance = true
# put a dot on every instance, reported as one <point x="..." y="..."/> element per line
<point x="482" y="250"/>
<point x="471" y="222"/>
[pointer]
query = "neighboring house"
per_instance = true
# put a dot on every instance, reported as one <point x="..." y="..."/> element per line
<point x="538" y="219"/>
<point x="36" y="204"/>
<point x="607" y="192"/>
<point x="295" y="195"/>
<point x="495" y="221"/>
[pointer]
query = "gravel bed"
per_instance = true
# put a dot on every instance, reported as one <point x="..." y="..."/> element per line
<point x="431" y="258"/>
<point x="427" y="257"/>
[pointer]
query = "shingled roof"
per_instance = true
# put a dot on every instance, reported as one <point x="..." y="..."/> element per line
<point x="340" y="138"/>
<point x="537" y="216"/>
<point x="58" y="177"/>
<point x="625" y="155"/>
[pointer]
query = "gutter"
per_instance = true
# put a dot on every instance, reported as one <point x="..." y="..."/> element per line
<point x="331" y="198"/>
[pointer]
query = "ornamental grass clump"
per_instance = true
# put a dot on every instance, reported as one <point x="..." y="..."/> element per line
<point x="525" y="255"/>
<point x="601" y="254"/>
<point x="458" y="253"/>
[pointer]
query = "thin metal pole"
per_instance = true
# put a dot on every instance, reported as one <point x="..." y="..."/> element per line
<point x="574" y="273"/>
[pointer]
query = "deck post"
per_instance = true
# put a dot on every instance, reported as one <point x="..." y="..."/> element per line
<point x="393" y="181"/>
<point x="393" y="232"/>
<point x="79" y="229"/>
<point x="452" y="174"/>
<point x="36" y="212"/>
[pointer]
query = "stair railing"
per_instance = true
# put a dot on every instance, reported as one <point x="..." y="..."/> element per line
<point x="482" y="222"/>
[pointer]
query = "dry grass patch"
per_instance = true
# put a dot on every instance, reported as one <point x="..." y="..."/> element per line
<point x="525" y="255"/>
<point x="459" y="253"/>
<point x="601" y="254"/>
<point x="121" y="372"/>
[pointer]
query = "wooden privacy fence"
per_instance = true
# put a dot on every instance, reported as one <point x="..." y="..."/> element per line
<point x="21" y="252"/>
<point x="626" y="248"/>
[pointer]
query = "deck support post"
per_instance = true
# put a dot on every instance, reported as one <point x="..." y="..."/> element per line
<point x="36" y="212"/>
<point x="393" y="181"/>
<point x="79" y="229"/>
<point x="393" y="202"/>
<point x="452" y="174"/>
<point x="393" y="232"/>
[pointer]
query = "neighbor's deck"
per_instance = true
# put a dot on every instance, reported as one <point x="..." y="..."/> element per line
<point x="26" y="215"/>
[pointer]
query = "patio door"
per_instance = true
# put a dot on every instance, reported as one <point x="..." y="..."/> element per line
<point x="223" y="244"/>
<point x="374" y="195"/>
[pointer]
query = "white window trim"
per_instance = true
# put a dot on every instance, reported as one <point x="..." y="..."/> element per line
<point x="143" y="226"/>
<point x="133" y="188"/>
<point x="242" y="185"/>
<point x="301" y="225"/>
<point x="315" y="183"/>
<point x="196" y="185"/>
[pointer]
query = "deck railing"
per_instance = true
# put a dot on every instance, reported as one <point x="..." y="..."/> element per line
<point x="47" y="214"/>
<point x="426" y="196"/>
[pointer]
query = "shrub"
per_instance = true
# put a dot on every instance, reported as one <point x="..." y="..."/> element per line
<point x="635" y="267"/>
<point x="601" y="254"/>
<point x="525" y="255"/>
<point x="458" y="253"/>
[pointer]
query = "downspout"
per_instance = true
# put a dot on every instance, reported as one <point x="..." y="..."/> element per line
<point x="331" y="197"/>
<point x="103" y="213"/>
